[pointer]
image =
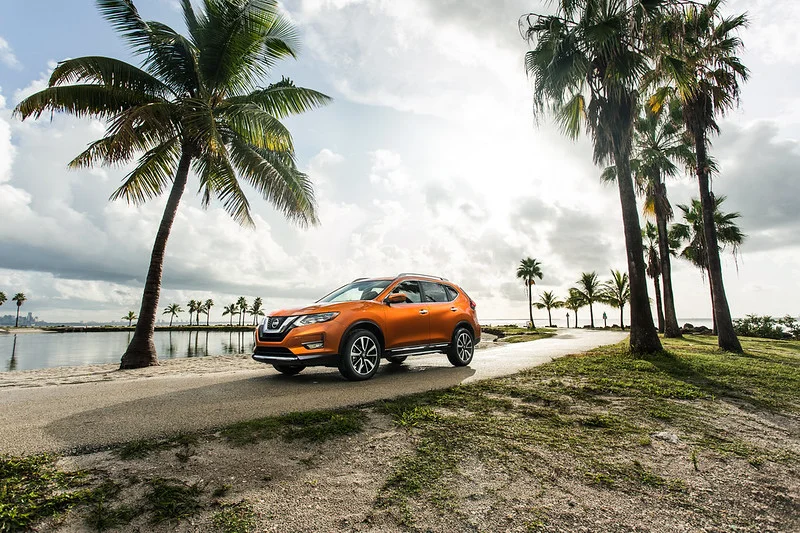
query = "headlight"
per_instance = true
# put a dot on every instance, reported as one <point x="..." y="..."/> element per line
<point x="305" y="320"/>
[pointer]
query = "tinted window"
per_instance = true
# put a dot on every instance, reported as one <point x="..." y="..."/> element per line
<point x="434" y="292"/>
<point x="452" y="294"/>
<point x="359" y="290"/>
<point x="411" y="290"/>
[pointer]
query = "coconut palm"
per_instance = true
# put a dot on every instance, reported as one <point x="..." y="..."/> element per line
<point x="697" y="58"/>
<point x="548" y="300"/>
<point x="172" y="310"/>
<point x="196" y="104"/>
<point x="616" y="292"/>
<point x="529" y="269"/>
<point x="586" y="65"/>
<point x="256" y="310"/>
<point x="2" y="298"/>
<point x="692" y="233"/>
<point x="193" y="306"/>
<point x="650" y="237"/>
<point x="130" y="317"/>
<point x="20" y="298"/>
<point x="207" y="309"/>
<point x="242" y="303"/>
<point x="590" y="290"/>
<point x="574" y="302"/>
<point x="231" y="310"/>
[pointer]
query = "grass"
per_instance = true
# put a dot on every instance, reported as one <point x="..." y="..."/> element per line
<point x="313" y="426"/>
<point x="235" y="518"/>
<point x="511" y="333"/>
<point x="593" y="411"/>
<point x="140" y="449"/>
<point x="173" y="500"/>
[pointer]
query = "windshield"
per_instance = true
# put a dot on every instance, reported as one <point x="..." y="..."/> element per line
<point x="367" y="289"/>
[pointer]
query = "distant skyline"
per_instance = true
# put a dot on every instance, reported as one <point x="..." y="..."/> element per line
<point x="428" y="160"/>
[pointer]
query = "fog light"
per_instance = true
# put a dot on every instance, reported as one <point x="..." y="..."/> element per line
<point x="313" y="345"/>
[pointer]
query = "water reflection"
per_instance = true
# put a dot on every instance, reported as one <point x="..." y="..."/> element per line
<point x="42" y="350"/>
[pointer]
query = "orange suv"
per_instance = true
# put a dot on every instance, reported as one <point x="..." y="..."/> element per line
<point x="355" y="326"/>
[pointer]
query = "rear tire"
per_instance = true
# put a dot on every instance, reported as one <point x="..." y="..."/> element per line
<point x="289" y="370"/>
<point x="462" y="348"/>
<point x="361" y="356"/>
<point x="396" y="359"/>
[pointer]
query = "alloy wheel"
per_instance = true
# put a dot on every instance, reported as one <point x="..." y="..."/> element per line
<point x="464" y="346"/>
<point x="364" y="355"/>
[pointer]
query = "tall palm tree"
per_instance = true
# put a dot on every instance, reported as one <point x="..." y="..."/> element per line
<point x="231" y="310"/>
<point x="207" y="309"/>
<point x="192" y="308"/>
<point x="130" y="317"/>
<point x="616" y="292"/>
<point x="692" y="232"/>
<point x="590" y="290"/>
<point x="196" y="104"/>
<point x="257" y="310"/>
<point x="548" y="300"/>
<point x="650" y="237"/>
<point x="2" y="298"/>
<point x="574" y="302"/>
<point x="529" y="269"/>
<point x="20" y="299"/>
<point x="172" y="310"/>
<point x="697" y="57"/>
<point x="242" y="303"/>
<point x="586" y="64"/>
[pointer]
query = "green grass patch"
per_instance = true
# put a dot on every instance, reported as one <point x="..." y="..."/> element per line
<point x="171" y="500"/>
<point x="235" y="518"/>
<point x="313" y="426"/>
<point x="527" y="337"/>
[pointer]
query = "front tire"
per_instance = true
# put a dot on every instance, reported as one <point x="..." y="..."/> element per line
<point x="462" y="348"/>
<point x="289" y="370"/>
<point x="361" y="356"/>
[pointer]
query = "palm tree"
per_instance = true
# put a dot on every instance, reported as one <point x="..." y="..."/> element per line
<point x="256" y="310"/>
<point x="616" y="292"/>
<point x="529" y="269"/>
<point x="20" y="299"/>
<point x="196" y="104"/>
<point x="231" y="310"/>
<point x="2" y="298"/>
<point x="548" y="300"/>
<point x="697" y="57"/>
<point x="192" y="308"/>
<point x="574" y="302"/>
<point x="207" y="309"/>
<point x="242" y="303"/>
<point x="692" y="232"/>
<point x="586" y="64"/>
<point x="172" y="310"/>
<point x="590" y="290"/>
<point x="650" y="236"/>
<point x="130" y="317"/>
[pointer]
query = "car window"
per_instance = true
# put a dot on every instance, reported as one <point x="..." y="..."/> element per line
<point x="452" y="294"/>
<point x="434" y="292"/>
<point x="360" y="290"/>
<point x="411" y="290"/>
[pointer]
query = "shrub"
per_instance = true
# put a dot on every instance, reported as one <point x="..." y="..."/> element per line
<point x="766" y="327"/>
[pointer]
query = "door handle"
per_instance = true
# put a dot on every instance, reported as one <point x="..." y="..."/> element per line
<point x="423" y="311"/>
<point x="454" y="309"/>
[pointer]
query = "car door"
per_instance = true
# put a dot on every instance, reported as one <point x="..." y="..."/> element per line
<point x="407" y="324"/>
<point x="443" y="315"/>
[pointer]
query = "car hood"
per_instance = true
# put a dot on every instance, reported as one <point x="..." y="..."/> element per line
<point x="323" y="308"/>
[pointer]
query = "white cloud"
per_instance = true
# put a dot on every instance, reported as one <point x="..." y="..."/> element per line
<point x="7" y="56"/>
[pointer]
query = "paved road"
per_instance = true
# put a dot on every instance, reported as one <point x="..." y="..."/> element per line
<point x="64" y="417"/>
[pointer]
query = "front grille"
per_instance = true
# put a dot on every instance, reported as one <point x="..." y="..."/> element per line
<point x="271" y="337"/>
<point x="273" y="327"/>
<point x="275" y="322"/>
<point x="274" y="352"/>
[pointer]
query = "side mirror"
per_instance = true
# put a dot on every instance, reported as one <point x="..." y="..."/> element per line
<point x="396" y="298"/>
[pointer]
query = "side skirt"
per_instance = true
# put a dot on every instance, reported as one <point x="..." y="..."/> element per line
<point x="417" y="350"/>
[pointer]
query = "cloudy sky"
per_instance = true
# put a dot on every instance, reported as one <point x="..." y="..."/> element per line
<point x="428" y="161"/>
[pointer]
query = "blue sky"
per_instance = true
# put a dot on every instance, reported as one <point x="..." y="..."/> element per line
<point x="427" y="160"/>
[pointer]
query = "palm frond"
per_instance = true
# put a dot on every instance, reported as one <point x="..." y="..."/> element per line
<point x="155" y="170"/>
<point x="82" y="101"/>
<point x="283" y="99"/>
<point x="108" y="72"/>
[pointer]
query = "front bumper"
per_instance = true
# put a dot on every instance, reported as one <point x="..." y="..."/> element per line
<point x="297" y="346"/>
<point x="272" y="357"/>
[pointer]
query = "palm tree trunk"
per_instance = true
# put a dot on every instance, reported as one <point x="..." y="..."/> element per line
<point x="141" y="351"/>
<point x="530" y="303"/>
<point x="713" y="313"/>
<point x="591" y="316"/>
<point x="549" y="318"/>
<point x="726" y="336"/>
<point x="16" y="323"/>
<point x="621" y="317"/>
<point x="576" y="319"/>
<point x="170" y="320"/>
<point x="208" y="317"/>
<point x="671" y="328"/>
<point x="644" y="337"/>
<point x="657" y="287"/>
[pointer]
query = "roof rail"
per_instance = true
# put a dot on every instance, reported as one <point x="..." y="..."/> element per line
<point x="421" y="275"/>
<point x="358" y="279"/>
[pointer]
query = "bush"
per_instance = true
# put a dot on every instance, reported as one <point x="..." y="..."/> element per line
<point x="767" y="327"/>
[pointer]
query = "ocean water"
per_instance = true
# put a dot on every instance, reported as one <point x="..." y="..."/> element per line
<point x="583" y="320"/>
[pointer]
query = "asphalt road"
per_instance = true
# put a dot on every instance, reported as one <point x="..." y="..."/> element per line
<point x="65" y="417"/>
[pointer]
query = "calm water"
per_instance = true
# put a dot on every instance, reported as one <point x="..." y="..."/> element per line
<point x="43" y="350"/>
